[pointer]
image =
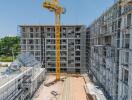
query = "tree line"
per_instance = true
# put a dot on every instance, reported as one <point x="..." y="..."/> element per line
<point x="9" y="46"/>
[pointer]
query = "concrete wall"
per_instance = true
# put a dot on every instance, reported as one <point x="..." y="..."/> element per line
<point x="111" y="51"/>
<point x="73" y="38"/>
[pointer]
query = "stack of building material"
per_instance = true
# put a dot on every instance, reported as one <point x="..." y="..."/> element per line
<point x="94" y="92"/>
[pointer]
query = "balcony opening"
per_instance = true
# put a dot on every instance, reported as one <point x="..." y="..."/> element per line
<point x="108" y="40"/>
<point x="31" y="29"/>
<point x="129" y="19"/>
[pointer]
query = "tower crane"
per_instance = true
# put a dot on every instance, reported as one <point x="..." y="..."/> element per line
<point x="53" y="6"/>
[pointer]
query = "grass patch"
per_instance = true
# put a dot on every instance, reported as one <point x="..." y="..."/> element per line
<point x="5" y="59"/>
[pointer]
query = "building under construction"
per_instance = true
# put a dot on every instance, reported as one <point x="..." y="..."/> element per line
<point x="110" y="41"/>
<point x="40" y="41"/>
<point x="21" y="79"/>
<point x="103" y="49"/>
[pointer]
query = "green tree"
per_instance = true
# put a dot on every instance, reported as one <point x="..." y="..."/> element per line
<point x="7" y="44"/>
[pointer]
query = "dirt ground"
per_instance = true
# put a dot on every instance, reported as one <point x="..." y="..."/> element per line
<point x="74" y="89"/>
<point x="71" y="88"/>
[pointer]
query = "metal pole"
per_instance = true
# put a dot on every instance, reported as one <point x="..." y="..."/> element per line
<point x="12" y="54"/>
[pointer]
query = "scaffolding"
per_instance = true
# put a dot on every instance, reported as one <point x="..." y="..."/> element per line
<point x="21" y="79"/>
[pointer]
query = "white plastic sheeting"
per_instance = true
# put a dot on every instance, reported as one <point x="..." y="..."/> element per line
<point x="96" y="93"/>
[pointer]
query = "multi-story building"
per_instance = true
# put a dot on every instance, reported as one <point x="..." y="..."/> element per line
<point x="20" y="84"/>
<point x="21" y="79"/>
<point x="87" y="48"/>
<point x="111" y="51"/>
<point x="104" y="42"/>
<point x="40" y="41"/>
<point x="125" y="69"/>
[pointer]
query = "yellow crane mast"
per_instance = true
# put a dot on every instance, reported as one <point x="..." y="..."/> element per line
<point x="53" y="6"/>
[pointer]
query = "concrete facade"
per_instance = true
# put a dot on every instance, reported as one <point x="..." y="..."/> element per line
<point x="22" y="84"/>
<point x="125" y="68"/>
<point x="40" y="41"/>
<point x="110" y="41"/>
<point x="88" y="48"/>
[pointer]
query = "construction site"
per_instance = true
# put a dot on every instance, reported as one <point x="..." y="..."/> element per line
<point x="72" y="62"/>
<point x="62" y="90"/>
<point x="25" y="79"/>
